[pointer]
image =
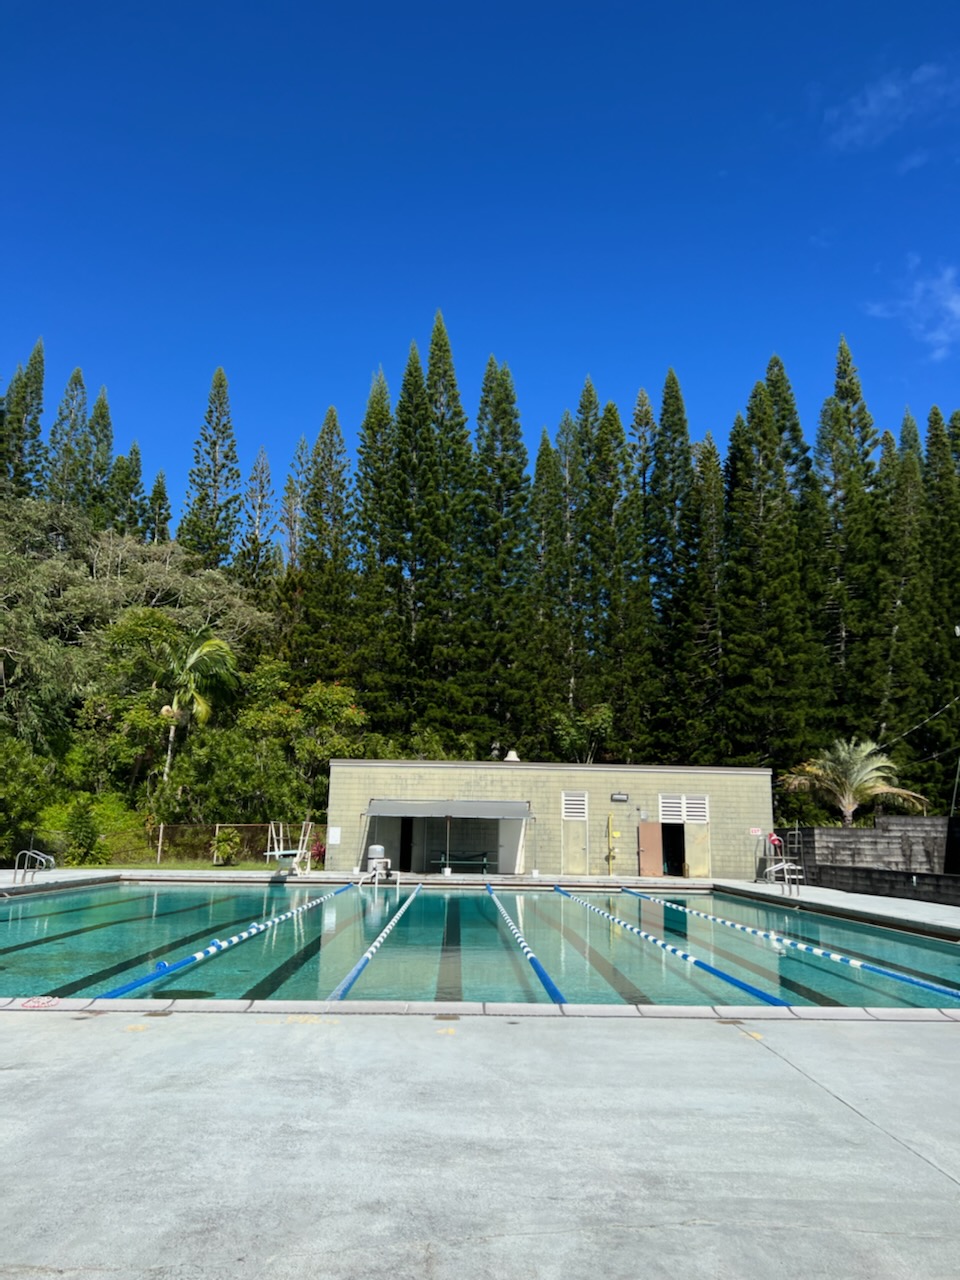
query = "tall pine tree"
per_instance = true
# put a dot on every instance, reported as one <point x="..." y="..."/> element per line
<point x="843" y="458"/>
<point x="257" y="560"/>
<point x="100" y="431"/>
<point x="22" y="455"/>
<point x="764" y="656"/>
<point x="700" y="735"/>
<point x="70" y="447"/>
<point x="375" y="452"/>
<point x="329" y="588"/>
<point x="156" y="526"/>
<point x="542" y="661"/>
<point x="291" y="506"/>
<point x="500" y="516"/>
<point x="640" y="692"/>
<point x="126" y="501"/>
<point x="212" y="518"/>
<point x="669" y="536"/>
<point x="941" y="647"/>
<point x="412" y="554"/>
<point x="381" y="650"/>
<point x="898" y="692"/>
<point x="607" y="547"/>
<point x="455" y="641"/>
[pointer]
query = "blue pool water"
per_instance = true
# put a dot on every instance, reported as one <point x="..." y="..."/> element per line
<point x="450" y="945"/>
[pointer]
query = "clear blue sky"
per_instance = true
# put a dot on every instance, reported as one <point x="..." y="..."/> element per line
<point x="291" y="190"/>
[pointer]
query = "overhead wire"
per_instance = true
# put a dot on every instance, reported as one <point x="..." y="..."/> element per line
<point x="920" y="725"/>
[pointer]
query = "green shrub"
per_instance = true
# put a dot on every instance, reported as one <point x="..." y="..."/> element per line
<point x="225" y="846"/>
<point x="83" y="843"/>
<point x="23" y="789"/>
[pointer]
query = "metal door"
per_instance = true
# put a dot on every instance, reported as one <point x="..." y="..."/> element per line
<point x="650" y="848"/>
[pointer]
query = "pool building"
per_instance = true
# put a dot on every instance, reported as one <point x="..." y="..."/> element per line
<point x="512" y="817"/>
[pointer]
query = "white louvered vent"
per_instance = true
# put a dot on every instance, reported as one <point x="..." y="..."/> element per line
<point x="575" y="806"/>
<point x="671" y="808"/>
<point x="695" y="809"/>
<point x="684" y="809"/>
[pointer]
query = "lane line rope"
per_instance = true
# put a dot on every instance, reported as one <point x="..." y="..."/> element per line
<point x="675" y="951"/>
<point x="341" y="989"/>
<point x="163" y="969"/>
<point x="551" y="988"/>
<point x="807" y="947"/>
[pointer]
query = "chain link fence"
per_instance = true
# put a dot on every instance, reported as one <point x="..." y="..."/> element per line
<point x="194" y="842"/>
<point x="181" y="842"/>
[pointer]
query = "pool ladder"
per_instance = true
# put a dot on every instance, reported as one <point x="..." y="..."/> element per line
<point x="29" y="862"/>
<point x="792" y="873"/>
<point x="377" y="870"/>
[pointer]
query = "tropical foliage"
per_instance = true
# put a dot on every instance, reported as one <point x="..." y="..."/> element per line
<point x="850" y="774"/>
<point x="627" y="594"/>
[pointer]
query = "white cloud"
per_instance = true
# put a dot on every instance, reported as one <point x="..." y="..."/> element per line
<point x="915" y="160"/>
<point x="892" y="103"/>
<point x="929" y="306"/>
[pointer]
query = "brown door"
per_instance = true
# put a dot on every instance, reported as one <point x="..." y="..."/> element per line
<point x="650" y="847"/>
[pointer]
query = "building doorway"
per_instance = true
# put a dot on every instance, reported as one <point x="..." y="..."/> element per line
<point x="406" y="844"/>
<point x="674" y="849"/>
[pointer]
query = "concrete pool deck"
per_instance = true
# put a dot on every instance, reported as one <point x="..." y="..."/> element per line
<point x="154" y="1143"/>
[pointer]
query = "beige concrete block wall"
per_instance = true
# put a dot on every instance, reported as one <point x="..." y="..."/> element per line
<point x="739" y="799"/>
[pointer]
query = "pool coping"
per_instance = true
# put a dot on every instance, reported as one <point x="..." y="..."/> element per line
<point x="454" y="1011"/>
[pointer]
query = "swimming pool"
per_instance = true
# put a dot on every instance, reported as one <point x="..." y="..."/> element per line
<point x="454" y="945"/>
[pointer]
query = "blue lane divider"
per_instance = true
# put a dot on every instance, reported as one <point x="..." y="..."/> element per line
<point x="163" y="970"/>
<point x="551" y="988"/>
<point x="808" y="947"/>
<point x="675" y="951"/>
<point x="341" y="989"/>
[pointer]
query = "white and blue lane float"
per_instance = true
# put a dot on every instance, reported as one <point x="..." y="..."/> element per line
<point x="551" y="988"/>
<point x="340" y="990"/>
<point x="685" y="956"/>
<point x="164" y="970"/>
<point x="807" y="947"/>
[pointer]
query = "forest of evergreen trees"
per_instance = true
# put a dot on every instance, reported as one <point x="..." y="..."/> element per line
<point x="630" y="596"/>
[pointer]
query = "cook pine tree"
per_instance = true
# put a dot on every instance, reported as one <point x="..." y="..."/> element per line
<point x="22" y="452"/>
<point x="499" y="527"/>
<point x="211" y="520"/>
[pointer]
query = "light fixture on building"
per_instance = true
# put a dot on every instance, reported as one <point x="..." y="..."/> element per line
<point x="620" y="796"/>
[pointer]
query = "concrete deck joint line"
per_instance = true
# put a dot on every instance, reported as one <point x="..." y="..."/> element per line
<point x="857" y="1111"/>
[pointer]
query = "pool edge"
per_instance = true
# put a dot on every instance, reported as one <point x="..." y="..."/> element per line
<point x="728" y="1014"/>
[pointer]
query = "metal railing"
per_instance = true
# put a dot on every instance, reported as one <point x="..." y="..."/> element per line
<point x="791" y="873"/>
<point x="29" y="862"/>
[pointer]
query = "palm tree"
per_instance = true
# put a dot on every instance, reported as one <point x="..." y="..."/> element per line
<point x="849" y="774"/>
<point x="198" y="670"/>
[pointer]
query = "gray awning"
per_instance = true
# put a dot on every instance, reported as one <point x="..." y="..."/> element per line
<point x="448" y="809"/>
